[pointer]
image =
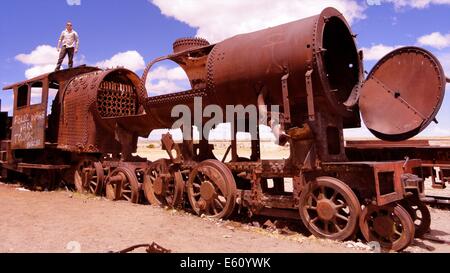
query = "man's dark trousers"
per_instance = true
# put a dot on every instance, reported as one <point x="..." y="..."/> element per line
<point x="62" y="53"/>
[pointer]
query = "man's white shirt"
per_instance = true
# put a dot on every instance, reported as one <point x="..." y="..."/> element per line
<point x="69" y="39"/>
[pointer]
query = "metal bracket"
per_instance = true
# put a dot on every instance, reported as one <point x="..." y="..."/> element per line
<point x="285" y="91"/>
<point x="171" y="147"/>
<point x="310" y="95"/>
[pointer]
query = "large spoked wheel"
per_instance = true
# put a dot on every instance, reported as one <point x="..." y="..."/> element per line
<point x="389" y="225"/>
<point x="211" y="189"/>
<point x="95" y="178"/>
<point x="122" y="184"/>
<point x="419" y="214"/>
<point x="161" y="187"/>
<point x="329" y="208"/>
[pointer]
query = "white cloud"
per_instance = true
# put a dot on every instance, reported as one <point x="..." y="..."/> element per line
<point x="435" y="39"/>
<point x="417" y="4"/>
<point x="73" y="2"/>
<point x="218" y="19"/>
<point x="376" y="52"/>
<point x="41" y="55"/>
<point x="39" y="70"/>
<point x="42" y="60"/>
<point x="162" y="87"/>
<point x="130" y="59"/>
<point x="162" y="80"/>
<point x="162" y="72"/>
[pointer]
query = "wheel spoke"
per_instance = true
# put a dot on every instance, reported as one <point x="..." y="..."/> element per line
<point x="340" y="216"/>
<point x="326" y="226"/>
<point x="322" y="192"/>
<point x="339" y="229"/>
<point x="214" y="208"/>
<point x="398" y="232"/>
<point x="313" y="197"/>
<point x="334" y="195"/>
<point x="340" y="206"/>
<point x="217" y="202"/>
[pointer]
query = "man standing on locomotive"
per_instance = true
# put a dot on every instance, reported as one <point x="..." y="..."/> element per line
<point x="69" y="42"/>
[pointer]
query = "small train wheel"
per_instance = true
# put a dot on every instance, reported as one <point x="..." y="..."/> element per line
<point x="95" y="179"/>
<point x="211" y="189"/>
<point x="329" y="208"/>
<point x="389" y="225"/>
<point x="419" y="213"/>
<point x="122" y="184"/>
<point x="81" y="174"/>
<point x="161" y="187"/>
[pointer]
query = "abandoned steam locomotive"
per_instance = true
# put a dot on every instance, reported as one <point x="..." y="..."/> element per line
<point x="310" y="68"/>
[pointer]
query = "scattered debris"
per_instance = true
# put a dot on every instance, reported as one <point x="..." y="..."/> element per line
<point x="150" y="248"/>
<point x="269" y="225"/>
<point x="359" y="245"/>
<point x="287" y="231"/>
<point x="227" y="236"/>
<point x="22" y="189"/>
<point x="230" y="228"/>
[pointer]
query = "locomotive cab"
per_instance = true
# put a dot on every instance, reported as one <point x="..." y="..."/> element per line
<point x="31" y="127"/>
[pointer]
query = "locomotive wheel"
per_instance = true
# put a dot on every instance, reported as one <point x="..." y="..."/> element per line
<point x="329" y="208"/>
<point x="81" y="176"/>
<point x="419" y="214"/>
<point x="95" y="179"/>
<point x="211" y="189"/>
<point x="389" y="225"/>
<point x="122" y="184"/>
<point x="162" y="188"/>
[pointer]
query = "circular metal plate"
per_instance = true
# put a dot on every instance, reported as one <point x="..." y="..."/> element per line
<point x="402" y="94"/>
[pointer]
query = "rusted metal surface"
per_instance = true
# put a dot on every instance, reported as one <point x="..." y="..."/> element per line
<point x="162" y="186"/>
<point x="433" y="154"/>
<point x="211" y="189"/>
<point x="389" y="225"/>
<point x="122" y="184"/>
<point x="419" y="213"/>
<point x="329" y="208"/>
<point x="392" y="102"/>
<point x="149" y="248"/>
<point x="42" y="166"/>
<point x="92" y="105"/>
<point x="28" y="128"/>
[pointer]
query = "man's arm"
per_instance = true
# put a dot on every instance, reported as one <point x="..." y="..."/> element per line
<point x="77" y="42"/>
<point x="59" y="41"/>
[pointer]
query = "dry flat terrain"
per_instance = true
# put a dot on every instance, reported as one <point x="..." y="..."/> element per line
<point x="62" y="221"/>
<point x="54" y="221"/>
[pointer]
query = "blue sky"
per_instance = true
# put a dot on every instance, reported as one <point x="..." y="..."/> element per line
<point x="132" y="33"/>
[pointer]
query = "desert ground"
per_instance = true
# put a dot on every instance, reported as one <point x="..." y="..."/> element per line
<point x="65" y="221"/>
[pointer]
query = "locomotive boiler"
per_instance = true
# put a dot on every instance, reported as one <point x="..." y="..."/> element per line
<point x="309" y="71"/>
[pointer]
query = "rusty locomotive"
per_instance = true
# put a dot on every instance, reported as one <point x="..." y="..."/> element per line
<point x="311" y="68"/>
